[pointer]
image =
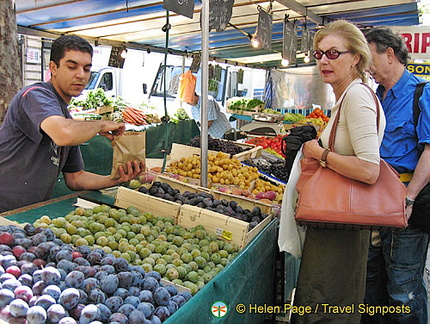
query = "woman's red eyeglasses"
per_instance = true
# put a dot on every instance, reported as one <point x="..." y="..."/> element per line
<point x="331" y="54"/>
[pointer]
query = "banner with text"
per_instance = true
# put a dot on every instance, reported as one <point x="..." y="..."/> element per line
<point x="417" y="39"/>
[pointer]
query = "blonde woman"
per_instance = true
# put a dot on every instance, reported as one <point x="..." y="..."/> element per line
<point x="333" y="267"/>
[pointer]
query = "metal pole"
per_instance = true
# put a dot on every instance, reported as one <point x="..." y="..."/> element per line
<point x="204" y="94"/>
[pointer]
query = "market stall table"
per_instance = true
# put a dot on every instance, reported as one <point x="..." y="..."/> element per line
<point x="249" y="279"/>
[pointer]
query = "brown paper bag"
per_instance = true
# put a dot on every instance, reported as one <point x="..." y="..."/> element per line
<point x="129" y="146"/>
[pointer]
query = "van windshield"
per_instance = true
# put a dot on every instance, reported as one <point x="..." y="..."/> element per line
<point x="93" y="81"/>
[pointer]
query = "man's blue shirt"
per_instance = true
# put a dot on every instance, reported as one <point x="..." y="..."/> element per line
<point x="399" y="145"/>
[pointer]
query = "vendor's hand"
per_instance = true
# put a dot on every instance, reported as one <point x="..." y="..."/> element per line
<point x="311" y="149"/>
<point x="131" y="171"/>
<point x="110" y="129"/>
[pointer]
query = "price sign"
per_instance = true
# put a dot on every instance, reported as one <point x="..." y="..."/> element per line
<point x="195" y="65"/>
<point x="115" y="59"/>
<point x="219" y="14"/>
<point x="33" y="55"/>
<point x="264" y="35"/>
<point x="181" y="7"/>
<point x="289" y="46"/>
<point x="305" y="40"/>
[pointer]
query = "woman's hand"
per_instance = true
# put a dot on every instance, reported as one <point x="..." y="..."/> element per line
<point x="408" y="212"/>
<point x="312" y="149"/>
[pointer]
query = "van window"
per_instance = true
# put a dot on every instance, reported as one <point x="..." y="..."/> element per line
<point x="172" y="76"/>
<point x="106" y="83"/>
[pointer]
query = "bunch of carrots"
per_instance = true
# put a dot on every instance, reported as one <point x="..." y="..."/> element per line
<point x="134" y="116"/>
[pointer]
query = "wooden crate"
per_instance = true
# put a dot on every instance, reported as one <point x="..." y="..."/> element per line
<point x="179" y="151"/>
<point x="178" y="287"/>
<point x="6" y="222"/>
<point x="180" y="185"/>
<point x="104" y="110"/>
<point x="241" y="111"/>
<point x="183" y="151"/>
<point x="147" y="204"/>
<point x="227" y="228"/>
<point x="254" y="152"/>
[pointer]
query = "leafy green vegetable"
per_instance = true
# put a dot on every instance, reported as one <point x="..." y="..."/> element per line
<point x="254" y="103"/>
<point x="246" y="104"/>
<point x="179" y="115"/>
<point x="95" y="99"/>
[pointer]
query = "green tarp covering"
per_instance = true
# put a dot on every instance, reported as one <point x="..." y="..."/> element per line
<point x="249" y="280"/>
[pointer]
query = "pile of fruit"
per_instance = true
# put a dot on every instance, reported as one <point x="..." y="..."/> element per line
<point x="263" y="190"/>
<point x="44" y="280"/>
<point x="221" y="169"/>
<point x="275" y="169"/>
<point x="215" y="144"/>
<point x="318" y="117"/>
<point x="272" y="145"/>
<point x="189" y="257"/>
<point x="270" y="111"/>
<point x="206" y="201"/>
<point x="293" y="117"/>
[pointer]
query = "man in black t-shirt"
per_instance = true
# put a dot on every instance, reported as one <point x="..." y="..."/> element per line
<point x="39" y="139"/>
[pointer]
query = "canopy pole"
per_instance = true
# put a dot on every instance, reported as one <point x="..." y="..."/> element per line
<point x="165" y="118"/>
<point x="204" y="94"/>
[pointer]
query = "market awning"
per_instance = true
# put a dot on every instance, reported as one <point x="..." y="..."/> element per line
<point x="138" y="23"/>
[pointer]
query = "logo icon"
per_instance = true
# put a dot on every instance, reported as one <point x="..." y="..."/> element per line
<point x="219" y="309"/>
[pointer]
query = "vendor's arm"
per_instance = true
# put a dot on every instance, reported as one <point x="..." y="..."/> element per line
<point x="83" y="180"/>
<point x="69" y="132"/>
<point x="347" y="165"/>
<point x="421" y="174"/>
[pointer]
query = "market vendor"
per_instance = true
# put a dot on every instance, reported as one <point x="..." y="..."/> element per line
<point x="39" y="139"/>
<point x="218" y="123"/>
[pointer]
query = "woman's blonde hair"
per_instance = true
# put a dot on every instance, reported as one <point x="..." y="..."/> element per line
<point x="356" y="43"/>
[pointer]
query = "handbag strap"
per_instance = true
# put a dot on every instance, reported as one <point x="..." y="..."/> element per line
<point x="336" y="119"/>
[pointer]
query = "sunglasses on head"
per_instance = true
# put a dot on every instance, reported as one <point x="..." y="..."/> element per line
<point x="331" y="54"/>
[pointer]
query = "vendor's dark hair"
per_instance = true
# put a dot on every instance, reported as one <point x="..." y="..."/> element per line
<point x="66" y="43"/>
<point x="384" y="38"/>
